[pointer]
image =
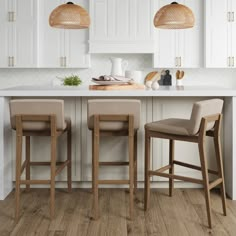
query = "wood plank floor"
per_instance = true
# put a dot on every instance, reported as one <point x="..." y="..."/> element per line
<point x="183" y="214"/>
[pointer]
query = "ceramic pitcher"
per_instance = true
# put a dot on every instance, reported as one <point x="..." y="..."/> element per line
<point x="118" y="66"/>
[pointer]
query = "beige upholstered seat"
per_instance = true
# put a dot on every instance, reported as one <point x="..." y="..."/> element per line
<point x="191" y="126"/>
<point x="38" y="107"/>
<point x="113" y="107"/>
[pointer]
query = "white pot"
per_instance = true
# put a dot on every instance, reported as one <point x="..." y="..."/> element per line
<point x="136" y="75"/>
<point x="179" y="82"/>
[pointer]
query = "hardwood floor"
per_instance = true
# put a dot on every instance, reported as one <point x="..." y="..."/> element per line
<point x="183" y="214"/>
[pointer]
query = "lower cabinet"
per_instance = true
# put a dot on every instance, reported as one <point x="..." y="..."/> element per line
<point x="116" y="148"/>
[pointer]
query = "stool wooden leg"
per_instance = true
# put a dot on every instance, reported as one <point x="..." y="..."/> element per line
<point x="171" y="171"/>
<point x="147" y="167"/>
<point x="135" y="163"/>
<point x="204" y="168"/>
<point x="220" y="170"/>
<point x="27" y="170"/>
<point x="53" y="173"/>
<point x="69" y="158"/>
<point x="131" y="174"/>
<point x="96" y="137"/>
<point x="18" y="174"/>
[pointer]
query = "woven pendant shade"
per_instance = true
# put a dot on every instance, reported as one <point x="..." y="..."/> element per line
<point x="69" y="16"/>
<point x="174" y="16"/>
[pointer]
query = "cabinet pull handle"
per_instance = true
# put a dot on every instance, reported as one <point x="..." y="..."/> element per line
<point x="13" y="16"/>
<point x="232" y="62"/>
<point x="176" y="61"/>
<point x="180" y="61"/>
<point x="9" y="16"/>
<point x="228" y="61"/>
<point x="9" y="61"/>
<point x="232" y="19"/>
<point x="61" y="61"/>
<point x="13" y="62"/>
<point x="229" y="16"/>
<point x="64" y="61"/>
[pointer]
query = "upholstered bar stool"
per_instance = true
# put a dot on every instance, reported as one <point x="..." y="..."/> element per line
<point x="205" y="121"/>
<point x="114" y="117"/>
<point x="39" y="117"/>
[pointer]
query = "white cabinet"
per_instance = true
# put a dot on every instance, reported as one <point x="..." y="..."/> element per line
<point x="121" y="26"/>
<point x="59" y="47"/>
<point x="18" y="30"/>
<point x="218" y="34"/>
<point x="180" y="48"/>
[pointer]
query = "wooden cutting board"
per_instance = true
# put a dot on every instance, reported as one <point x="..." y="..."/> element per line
<point x="117" y="87"/>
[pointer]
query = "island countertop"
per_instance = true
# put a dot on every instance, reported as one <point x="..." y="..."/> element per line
<point x="167" y="101"/>
<point x="83" y="91"/>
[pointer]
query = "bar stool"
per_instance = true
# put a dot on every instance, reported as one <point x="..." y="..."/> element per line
<point x="39" y="117"/>
<point x="114" y="117"/>
<point x="205" y="121"/>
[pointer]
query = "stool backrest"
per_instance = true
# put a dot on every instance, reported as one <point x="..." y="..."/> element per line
<point x="37" y="107"/>
<point x="113" y="107"/>
<point x="202" y="109"/>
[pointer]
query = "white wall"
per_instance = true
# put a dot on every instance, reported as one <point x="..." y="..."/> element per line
<point x="101" y="65"/>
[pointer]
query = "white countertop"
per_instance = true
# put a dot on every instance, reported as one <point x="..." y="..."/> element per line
<point x="163" y="91"/>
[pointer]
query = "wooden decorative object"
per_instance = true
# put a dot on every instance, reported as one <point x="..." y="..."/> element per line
<point x="174" y="16"/>
<point x="69" y="16"/>
<point x="117" y="87"/>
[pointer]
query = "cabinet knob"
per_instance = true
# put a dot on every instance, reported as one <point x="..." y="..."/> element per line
<point x="229" y="16"/>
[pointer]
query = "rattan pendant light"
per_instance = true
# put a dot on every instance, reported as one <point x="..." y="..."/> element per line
<point x="174" y="16"/>
<point x="69" y="16"/>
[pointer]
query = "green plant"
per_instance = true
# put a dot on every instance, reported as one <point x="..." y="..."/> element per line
<point x="72" y="80"/>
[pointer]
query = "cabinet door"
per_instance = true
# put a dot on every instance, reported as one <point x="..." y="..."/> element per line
<point x="76" y="44"/>
<point x="5" y="32"/>
<point x="25" y="33"/>
<point x="191" y="43"/>
<point x="165" y="53"/>
<point x="165" y="45"/>
<point x="216" y="33"/>
<point x="233" y="34"/>
<point x="51" y="40"/>
<point x="121" y="26"/>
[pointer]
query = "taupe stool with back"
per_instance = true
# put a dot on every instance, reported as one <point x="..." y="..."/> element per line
<point x="205" y="121"/>
<point x="39" y="117"/>
<point x="114" y="117"/>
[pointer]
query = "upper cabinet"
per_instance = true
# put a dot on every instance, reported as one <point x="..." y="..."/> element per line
<point x="18" y="30"/>
<point x="61" y="48"/>
<point x="180" y="48"/>
<point x="220" y="35"/>
<point x="121" y="26"/>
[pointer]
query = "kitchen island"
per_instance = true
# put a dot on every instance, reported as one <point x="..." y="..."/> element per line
<point x="159" y="104"/>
